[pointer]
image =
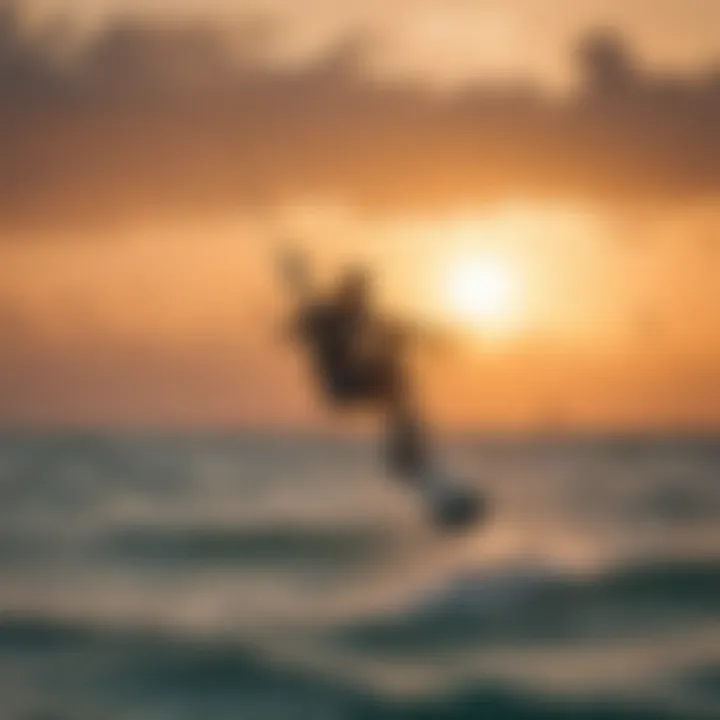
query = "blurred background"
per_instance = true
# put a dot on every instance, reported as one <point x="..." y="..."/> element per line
<point x="186" y="530"/>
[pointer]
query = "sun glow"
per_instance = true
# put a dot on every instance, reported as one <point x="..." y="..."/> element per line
<point x="484" y="292"/>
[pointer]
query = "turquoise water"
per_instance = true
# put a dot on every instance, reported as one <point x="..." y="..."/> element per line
<point x="258" y="577"/>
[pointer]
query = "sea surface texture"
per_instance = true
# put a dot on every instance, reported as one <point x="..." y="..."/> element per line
<point x="272" y="578"/>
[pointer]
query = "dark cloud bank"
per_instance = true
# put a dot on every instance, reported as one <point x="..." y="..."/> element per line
<point x="159" y="120"/>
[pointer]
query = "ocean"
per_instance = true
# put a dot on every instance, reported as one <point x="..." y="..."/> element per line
<point x="282" y="578"/>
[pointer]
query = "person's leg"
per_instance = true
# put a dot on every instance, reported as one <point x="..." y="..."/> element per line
<point x="384" y="381"/>
<point x="408" y="453"/>
<point x="407" y="446"/>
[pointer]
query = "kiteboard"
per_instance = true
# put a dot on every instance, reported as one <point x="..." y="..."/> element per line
<point x="451" y="505"/>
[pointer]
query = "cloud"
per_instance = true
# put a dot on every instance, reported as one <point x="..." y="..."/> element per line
<point x="153" y="120"/>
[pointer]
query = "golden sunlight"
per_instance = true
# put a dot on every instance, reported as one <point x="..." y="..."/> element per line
<point x="483" y="291"/>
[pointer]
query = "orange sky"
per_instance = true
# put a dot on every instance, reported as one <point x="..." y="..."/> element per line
<point x="147" y="185"/>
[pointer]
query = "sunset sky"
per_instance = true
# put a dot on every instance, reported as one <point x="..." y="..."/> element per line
<point x="539" y="178"/>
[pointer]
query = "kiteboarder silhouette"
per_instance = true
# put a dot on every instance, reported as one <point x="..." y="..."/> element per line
<point x="360" y="358"/>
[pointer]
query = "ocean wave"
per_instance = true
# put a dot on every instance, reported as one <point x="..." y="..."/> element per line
<point x="704" y="682"/>
<point x="530" y="606"/>
<point x="266" y="545"/>
<point x="138" y="673"/>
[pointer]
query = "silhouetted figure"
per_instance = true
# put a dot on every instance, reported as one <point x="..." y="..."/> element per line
<point x="360" y="359"/>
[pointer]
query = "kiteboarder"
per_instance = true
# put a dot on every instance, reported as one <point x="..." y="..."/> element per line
<point x="361" y="359"/>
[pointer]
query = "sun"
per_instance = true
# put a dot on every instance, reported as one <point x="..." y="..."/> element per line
<point x="484" y="292"/>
